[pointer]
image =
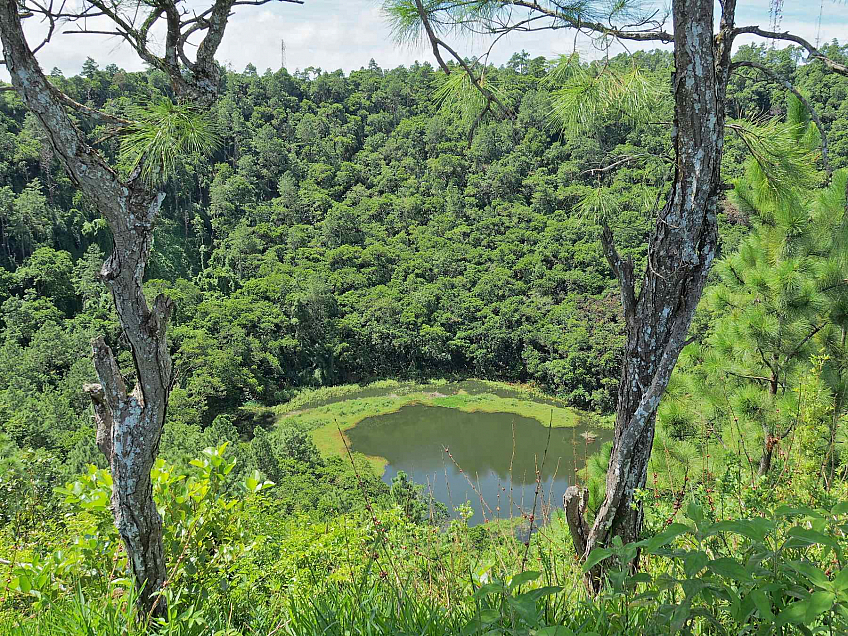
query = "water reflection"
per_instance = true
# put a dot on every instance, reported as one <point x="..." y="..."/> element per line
<point x="462" y="456"/>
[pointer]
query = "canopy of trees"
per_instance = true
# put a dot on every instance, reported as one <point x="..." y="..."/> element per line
<point x="347" y="231"/>
<point x="351" y="228"/>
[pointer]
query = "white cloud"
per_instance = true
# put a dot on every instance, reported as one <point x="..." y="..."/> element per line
<point x="347" y="35"/>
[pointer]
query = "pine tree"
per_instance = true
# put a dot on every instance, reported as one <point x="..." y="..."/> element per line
<point x="778" y="300"/>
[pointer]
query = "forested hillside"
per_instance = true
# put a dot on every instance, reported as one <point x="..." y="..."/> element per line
<point x="348" y="231"/>
<point x="353" y="228"/>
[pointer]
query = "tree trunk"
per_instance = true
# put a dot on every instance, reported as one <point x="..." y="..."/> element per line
<point x="680" y="254"/>
<point x="769" y="439"/>
<point x="129" y="424"/>
<point x="769" y="442"/>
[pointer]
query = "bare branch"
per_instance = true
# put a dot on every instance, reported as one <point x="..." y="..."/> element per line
<point x="623" y="270"/>
<point x="615" y="164"/>
<point x="757" y="378"/>
<point x="806" y="339"/>
<point x="834" y="66"/>
<point x="93" y="112"/>
<point x="81" y="31"/>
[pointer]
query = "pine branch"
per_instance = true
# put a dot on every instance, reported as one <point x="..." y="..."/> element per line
<point x="575" y="22"/>
<point x="810" y="109"/>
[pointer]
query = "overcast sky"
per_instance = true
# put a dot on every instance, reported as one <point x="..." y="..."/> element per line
<point x="333" y="34"/>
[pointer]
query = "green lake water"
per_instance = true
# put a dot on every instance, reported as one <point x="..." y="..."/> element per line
<point x="487" y="459"/>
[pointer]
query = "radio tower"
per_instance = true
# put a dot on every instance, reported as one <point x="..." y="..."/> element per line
<point x="282" y="54"/>
<point x="818" y="28"/>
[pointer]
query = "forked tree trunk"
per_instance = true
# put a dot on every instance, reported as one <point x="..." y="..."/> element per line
<point x="129" y="424"/>
<point x="680" y="254"/>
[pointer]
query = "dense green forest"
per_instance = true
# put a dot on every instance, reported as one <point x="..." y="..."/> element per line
<point x="347" y="231"/>
<point x="355" y="228"/>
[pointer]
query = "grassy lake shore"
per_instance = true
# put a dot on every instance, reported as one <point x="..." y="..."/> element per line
<point x="329" y="412"/>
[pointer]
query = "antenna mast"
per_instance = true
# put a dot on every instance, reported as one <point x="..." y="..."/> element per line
<point x="282" y="54"/>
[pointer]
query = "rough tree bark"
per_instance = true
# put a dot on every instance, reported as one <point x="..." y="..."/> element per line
<point x="129" y="423"/>
<point x="681" y="252"/>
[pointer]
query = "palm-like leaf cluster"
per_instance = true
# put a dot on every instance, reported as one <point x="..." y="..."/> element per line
<point x="161" y="135"/>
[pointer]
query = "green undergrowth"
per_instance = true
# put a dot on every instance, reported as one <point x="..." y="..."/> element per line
<point x="729" y="559"/>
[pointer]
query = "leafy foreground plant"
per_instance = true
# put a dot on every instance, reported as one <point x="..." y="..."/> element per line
<point x="241" y="569"/>
<point x="776" y="575"/>
<point x="206" y="535"/>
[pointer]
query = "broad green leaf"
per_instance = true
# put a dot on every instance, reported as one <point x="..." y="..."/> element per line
<point x="489" y="615"/>
<point x="21" y="583"/>
<point x="763" y="604"/>
<point x="840" y="581"/>
<point x="729" y="568"/>
<point x="664" y="538"/>
<point x="693" y="587"/>
<point x="694" y="562"/>
<point x="596" y="556"/>
<point x="522" y="578"/>
<point x="818" y="604"/>
<point x="681" y="615"/>
<point x="792" y="613"/>
<point x="695" y="512"/>
<point x="814" y="574"/>
<point x="489" y="588"/>
<point x="802" y="537"/>
<point x="796" y="511"/>
<point x="754" y="529"/>
<point x="525" y="607"/>
<point x="639" y="577"/>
